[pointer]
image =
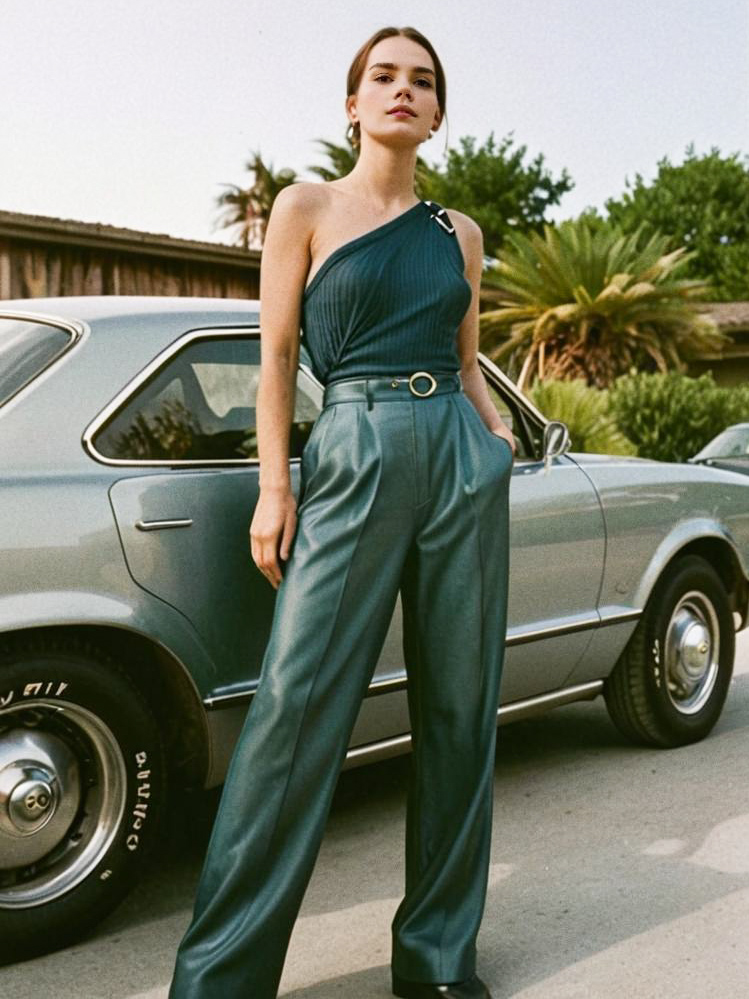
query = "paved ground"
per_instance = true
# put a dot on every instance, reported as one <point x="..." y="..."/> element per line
<point x="617" y="872"/>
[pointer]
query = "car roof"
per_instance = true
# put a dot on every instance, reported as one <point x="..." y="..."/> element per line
<point x="94" y="308"/>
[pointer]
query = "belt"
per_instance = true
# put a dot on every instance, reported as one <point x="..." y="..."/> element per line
<point x="418" y="385"/>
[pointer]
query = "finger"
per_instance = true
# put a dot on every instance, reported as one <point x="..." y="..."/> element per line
<point x="288" y="536"/>
<point x="271" y="564"/>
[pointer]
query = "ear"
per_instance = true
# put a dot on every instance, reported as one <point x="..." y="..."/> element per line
<point x="351" y="107"/>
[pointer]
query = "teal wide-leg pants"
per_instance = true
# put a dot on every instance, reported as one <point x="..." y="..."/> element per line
<point x="398" y="492"/>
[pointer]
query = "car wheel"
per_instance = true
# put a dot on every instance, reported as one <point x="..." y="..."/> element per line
<point x="82" y="790"/>
<point x="670" y="683"/>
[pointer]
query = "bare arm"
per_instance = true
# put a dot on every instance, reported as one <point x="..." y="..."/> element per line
<point x="474" y="383"/>
<point x="283" y="269"/>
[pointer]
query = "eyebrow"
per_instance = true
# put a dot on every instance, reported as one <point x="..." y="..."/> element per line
<point x="391" y="65"/>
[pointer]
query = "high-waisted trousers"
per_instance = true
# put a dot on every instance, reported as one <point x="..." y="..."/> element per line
<point x="398" y="493"/>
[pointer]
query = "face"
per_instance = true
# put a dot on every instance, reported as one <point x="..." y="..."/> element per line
<point x="407" y="81"/>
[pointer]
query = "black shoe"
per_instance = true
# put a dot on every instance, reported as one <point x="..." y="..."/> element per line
<point x="469" y="988"/>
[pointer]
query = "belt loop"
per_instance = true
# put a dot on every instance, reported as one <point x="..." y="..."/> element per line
<point x="368" y="390"/>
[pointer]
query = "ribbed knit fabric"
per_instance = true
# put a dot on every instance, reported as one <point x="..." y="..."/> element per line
<point x="389" y="301"/>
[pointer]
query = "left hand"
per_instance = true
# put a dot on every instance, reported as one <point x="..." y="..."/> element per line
<point x="507" y="434"/>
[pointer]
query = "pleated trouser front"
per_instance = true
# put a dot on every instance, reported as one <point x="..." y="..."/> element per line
<point x="397" y="493"/>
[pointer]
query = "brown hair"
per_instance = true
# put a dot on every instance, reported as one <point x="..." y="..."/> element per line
<point x="356" y="69"/>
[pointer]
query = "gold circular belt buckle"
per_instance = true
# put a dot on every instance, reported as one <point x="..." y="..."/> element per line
<point x="422" y="374"/>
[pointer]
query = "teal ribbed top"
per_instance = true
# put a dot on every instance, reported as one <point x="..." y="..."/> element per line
<point x="389" y="301"/>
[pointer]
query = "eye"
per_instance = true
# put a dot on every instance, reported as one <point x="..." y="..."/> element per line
<point x="423" y="80"/>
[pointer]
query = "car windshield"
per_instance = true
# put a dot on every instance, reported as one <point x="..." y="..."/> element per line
<point x="732" y="443"/>
<point x="26" y="349"/>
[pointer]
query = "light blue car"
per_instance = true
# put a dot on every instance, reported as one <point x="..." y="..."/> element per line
<point x="133" y="620"/>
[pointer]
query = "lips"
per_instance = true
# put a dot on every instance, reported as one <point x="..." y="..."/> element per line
<point x="402" y="107"/>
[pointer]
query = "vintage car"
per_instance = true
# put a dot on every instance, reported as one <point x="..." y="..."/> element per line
<point x="133" y="620"/>
<point x="728" y="449"/>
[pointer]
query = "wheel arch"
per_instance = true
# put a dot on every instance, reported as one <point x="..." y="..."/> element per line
<point x="158" y="674"/>
<point x="713" y="546"/>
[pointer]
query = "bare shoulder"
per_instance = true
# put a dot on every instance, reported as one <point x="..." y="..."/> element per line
<point x="469" y="235"/>
<point x="298" y="199"/>
<point x="302" y="205"/>
<point x="465" y="225"/>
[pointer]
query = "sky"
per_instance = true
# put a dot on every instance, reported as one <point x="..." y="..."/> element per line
<point x="135" y="113"/>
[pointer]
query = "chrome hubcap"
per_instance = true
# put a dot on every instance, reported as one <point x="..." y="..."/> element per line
<point x="692" y="650"/>
<point x="62" y="795"/>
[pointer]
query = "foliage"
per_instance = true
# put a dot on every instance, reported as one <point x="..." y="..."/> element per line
<point x="587" y="301"/>
<point x="671" y="416"/>
<point x="248" y="209"/>
<point x="703" y="204"/>
<point x="585" y="410"/>
<point x="495" y="188"/>
<point x="342" y="160"/>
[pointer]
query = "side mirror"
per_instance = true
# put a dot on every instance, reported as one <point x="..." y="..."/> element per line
<point x="556" y="441"/>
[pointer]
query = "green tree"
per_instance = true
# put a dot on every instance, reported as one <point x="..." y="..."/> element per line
<point x="702" y="204"/>
<point x="496" y="188"/>
<point x="247" y="209"/>
<point x="590" y="302"/>
<point x="672" y="416"/>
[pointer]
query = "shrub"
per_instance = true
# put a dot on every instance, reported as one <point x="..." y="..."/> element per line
<point x="585" y="410"/>
<point x="671" y="416"/>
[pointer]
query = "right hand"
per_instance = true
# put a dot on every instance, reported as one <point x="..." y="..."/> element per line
<point x="275" y="517"/>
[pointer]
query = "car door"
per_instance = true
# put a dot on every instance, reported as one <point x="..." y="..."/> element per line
<point x="557" y="550"/>
<point x="185" y="436"/>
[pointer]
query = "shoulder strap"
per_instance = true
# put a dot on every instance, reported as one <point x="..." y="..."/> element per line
<point x="440" y="216"/>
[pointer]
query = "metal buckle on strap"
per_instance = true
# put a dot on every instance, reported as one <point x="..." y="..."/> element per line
<point x="422" y="374"/>
<point x="444" y="222"/>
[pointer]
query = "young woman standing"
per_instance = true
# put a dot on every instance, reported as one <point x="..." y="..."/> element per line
<point x="404" y="488"/>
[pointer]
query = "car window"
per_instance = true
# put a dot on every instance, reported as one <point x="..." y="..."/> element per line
<point x="200" y="405"/>
<point x="25" y="350"/>
<point x="730" y="443"/>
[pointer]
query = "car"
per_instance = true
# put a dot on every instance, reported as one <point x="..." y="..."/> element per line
<point x="133" y="620"/>
<point x="728" y="449"/>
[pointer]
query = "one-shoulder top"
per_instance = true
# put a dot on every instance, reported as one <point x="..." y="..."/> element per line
<point x="390" y="301"/>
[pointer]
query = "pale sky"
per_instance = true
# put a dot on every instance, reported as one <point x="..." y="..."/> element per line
<point x="133" y="113"/>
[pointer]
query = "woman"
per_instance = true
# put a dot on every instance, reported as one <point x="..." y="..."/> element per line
<point x="404" y="487"/>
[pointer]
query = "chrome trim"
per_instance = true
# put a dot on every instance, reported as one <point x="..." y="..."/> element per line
<point x="76" y="328"/>
<point x="567" y="629"/>
<point x="390" y="684"/>
<point x="157" y="525"/>
<point x="507" y="383"/>
<point x="201" y="333"/>
<point x="395" y="745"/>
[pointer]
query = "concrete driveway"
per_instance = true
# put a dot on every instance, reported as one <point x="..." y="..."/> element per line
<point x="617" y="872"/>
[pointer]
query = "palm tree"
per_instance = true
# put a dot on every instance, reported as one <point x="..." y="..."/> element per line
<point x="589" y="302"/>
<point x="342" y="160"/>
<point x="249" y="208"/>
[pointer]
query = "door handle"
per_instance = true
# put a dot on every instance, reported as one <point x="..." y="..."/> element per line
<point x="157" y="525"/>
